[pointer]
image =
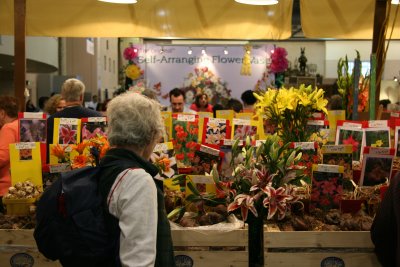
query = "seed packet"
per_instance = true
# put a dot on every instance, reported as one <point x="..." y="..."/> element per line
<point x="215" y="130"/>
<point x="376" y="166"/>
<point x="163" y="158"/>
<point x="184" y="138"/>
<point x="205" y="157"/>
<point x="326" y="192"/>
<point x="93" y="127"/>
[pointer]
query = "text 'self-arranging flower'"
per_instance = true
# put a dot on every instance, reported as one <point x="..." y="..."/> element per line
<point x="185" y="141"/>
<point x="205" y="81"/>
<point x="262" y="180"/>
<point x="289" y="110"/>
<point x="86" y="153"/>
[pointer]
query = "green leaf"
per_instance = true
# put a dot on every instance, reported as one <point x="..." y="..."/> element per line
<point x="175" y="212"/>
<point x="193" y="188"/>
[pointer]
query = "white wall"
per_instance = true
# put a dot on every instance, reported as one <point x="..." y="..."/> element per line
<point x="107" y="64"/>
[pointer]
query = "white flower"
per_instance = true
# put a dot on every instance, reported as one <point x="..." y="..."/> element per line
<point x="209" y="93"/>
<point x="219" y="88"/>
<point x="189" y="96"/>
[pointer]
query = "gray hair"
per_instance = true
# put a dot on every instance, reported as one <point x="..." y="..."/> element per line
<point x="72" y="90"/>
<point x="133" y="119"/>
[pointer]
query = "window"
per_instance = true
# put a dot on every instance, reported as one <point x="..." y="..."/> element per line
<point x="109" y="64"/>
<point x="105" y="62"/>
<point x="107" y="44"/>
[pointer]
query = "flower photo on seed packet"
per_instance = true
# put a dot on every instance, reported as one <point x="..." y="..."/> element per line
<point x="93" y="129"/>
<point x="67" y="134"/>
<point x="215" y="131"/>
<point x="351" y="136"/>
<point x="32" y="130"/>
<point x="203" y="162"/>
<point x="376" y="137"/>
<point x="165" y="161"/>
<point x="242" y="131"/>
<point x="308" y="158"/>
<point x="185" y="135"/>
<point x="326" y="189"/>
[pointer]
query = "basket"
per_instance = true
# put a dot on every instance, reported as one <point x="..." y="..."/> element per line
<point x="18" y="206"/>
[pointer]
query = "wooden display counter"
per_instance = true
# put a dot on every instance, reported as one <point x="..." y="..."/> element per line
<point x="312" y="248"/>
<point x="229" y="248"/>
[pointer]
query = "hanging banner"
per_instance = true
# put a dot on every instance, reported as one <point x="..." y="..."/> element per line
<point x="215" y="70"/>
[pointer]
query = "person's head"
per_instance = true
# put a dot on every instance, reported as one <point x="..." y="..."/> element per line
<point x="335" y="102"/>
<point x="94" y="98"/>
<point x="201" y="100"/>
<point x="72" y="90"/>
<point x="248" y="98"/>
<point x="235" y="105"/>
<point x="217" y="107"/>
<point x="42" y="101"/>
<point x="134" y="122"/>
<point x="8" y="109"/>
<point x="177" y="99"/>
<point x="55" y="104"/>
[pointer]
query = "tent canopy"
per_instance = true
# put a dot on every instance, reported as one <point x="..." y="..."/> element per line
<point x="195" y="19"/>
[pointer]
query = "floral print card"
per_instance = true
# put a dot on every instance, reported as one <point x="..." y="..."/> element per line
<point x="25" y="163"/>
<point x="204" y="159"/>
<point x="319" y="131"/>
<point x="376" y="166"/>
<point x="351" y="136"/>
<point x="377" y="137"/>
<point x="226" y="170"/>
<point x="326" y="190"/>
<point x="93" y="127"/>
<point x="163" y="158"/>
<point x="184" y="138"/>
<point x="243" y="128"/>
<point x="66" y="130"/>
<point x="32" y="127"/>
<point x="309" y="157"/>
<point x="215" y="130"/>
<point x="341" y="155"/>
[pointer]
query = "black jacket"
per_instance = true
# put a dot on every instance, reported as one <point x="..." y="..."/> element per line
<point x="385" y="230"/>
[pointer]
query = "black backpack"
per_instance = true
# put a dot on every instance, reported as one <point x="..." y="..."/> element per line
<point x="70" y="219"/>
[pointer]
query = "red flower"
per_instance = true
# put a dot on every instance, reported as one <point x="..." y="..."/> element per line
<point x="179" y="156"/>
<point x="130" y="53"/>
<point x="351" y="141"/>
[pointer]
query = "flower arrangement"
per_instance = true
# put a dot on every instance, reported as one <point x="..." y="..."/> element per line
<point x="132" y="70"/>
<point x="289" y="110"/>
<point x="278" y="65"/>
<point x="204" y="80"/>
<point x="363" y="93"/>
<point x="279" y="62"/>
<point x="262" y="182"/>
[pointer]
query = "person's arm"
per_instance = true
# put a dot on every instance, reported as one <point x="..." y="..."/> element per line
<point x="133" y="200"/>
<point x="7" y="137"/>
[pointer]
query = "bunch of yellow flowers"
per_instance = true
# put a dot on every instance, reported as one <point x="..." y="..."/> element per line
<point x="288" y="110"/>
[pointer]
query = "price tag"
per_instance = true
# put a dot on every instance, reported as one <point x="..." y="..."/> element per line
<point x="25" y="145"/>
<point x="97" y="119"/>
<point x="186" y="117"/>
<point x="69" y="121"/>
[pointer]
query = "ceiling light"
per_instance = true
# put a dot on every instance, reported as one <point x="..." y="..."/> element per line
<point x="395" y="2"/>
<point x="120" y="1"/>
<point x="226" y="51"/>
<point x="190" y="51"/>
<point x="259" y="2"/>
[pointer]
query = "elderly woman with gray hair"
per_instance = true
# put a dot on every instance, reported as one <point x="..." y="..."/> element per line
<point x="135" y="202"/>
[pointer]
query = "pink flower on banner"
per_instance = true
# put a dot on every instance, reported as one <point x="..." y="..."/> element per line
<point x="130" y="53"/>
<point x="67" y="134"/>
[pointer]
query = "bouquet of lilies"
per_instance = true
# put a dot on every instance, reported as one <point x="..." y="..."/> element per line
<point x="289" y="110"/>
<point x="264" y="178"/>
